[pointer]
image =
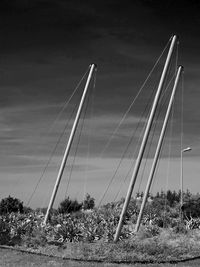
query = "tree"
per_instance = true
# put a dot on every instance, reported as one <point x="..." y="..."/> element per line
<point x="173" y="197"/>
<point x="10" y="204"/>
<point x="88" y="203"/>
<point x="69" y="206"/>
<point x="191" y="208"/>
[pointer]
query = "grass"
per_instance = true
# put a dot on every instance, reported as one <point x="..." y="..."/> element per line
<point x="167" y="246"/>
<point x="151" y="244"/>
<point x="16" y="258"/>
<point x="89" y="236"/>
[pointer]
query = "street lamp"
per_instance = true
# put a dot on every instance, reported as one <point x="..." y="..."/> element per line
<point x="182" y="151"/>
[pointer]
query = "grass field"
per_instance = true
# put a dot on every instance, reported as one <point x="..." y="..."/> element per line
<point x="11" y="258"/>
<point x="81" y="235"/>
<point x="20" y="259"/>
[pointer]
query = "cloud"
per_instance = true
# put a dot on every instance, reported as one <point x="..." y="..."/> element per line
<point x="46" y="48"/>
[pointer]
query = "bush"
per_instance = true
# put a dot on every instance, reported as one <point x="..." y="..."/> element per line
<point x="9" y="204"/>
<point x="69" y="206"/>
<point x="88" y="203"/>
<point x="4" y="232"/>
<point x="27" y="210"/>
<point x="191" y="208"/>
<point x="180" y="228"/>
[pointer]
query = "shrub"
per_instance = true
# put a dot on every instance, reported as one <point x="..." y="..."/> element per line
<point x="37" y="238"/>
<point x="148" y="231"/>
<point x="27" y="210"/>
<point x="191" y="208"/>
<point x="9" y="204"/>
<point x="4" y="232"/>
<point x="88" y="203"/>
<point x="69" y="206"/>
<point x="180" y="228"/>
<point x="193" y="223"/>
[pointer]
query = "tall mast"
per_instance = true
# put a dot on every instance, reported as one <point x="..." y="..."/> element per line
<point x="158" y="149"/>
<point x="70" y="140"/>
<point x="145" y="137"/>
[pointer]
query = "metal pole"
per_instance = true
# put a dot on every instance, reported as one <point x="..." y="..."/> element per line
<point x="145" y="137"/>
<point x="158" y="149"/>
<point x="63" y="163"/>
<point x="181" y="181"/>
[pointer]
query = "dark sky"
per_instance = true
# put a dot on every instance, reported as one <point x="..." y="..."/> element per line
<point x="46" y="46"/>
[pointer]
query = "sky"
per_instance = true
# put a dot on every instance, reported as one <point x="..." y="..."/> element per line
<point x="46" y="47"/>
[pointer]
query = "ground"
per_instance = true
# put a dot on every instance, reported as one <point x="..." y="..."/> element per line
<point x="12" y="258"/>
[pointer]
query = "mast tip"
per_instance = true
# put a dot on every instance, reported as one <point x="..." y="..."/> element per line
<point x="181" y="67"/>
<point x="95" y="65"/>
<point x="174" y="36"/>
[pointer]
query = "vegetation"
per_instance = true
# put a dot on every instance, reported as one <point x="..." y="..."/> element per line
<point x="10" y="204"/>
<point x="69" y="206"/>
<point x="88" y="203"/>
<point x="162" y="236"/>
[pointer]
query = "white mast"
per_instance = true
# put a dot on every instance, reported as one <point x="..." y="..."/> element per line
<point x="159" y="145"/>
<point x="64" y="160"/>
<point x="145" y="137"/>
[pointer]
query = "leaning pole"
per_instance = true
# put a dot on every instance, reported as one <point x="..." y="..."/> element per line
<point x="145" y="138"/>
<point x="70" y="140"/>
<point x="158" y="149"/>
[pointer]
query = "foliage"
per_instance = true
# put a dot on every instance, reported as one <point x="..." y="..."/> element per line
<point x="71" y="224"/>
<point x="193" y="223"/>
<point x="149" y="231"/>
<point x="171" y="198"/>
<point x="10" y="204"/>
<point x="180" y="228"/>
<point x="69" y="206"/>
<point x="44" y="210"/>
<point x="4" y="232"/>
<point x="88" y="203"/>
<point x="191" y="208"/>
<point x="27" y="210"/>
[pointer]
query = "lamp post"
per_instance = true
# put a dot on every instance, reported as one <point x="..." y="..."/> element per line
<point x="181" y="182"/>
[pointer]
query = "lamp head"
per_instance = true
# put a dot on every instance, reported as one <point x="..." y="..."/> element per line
<point x="187" y="149"/>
